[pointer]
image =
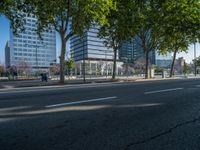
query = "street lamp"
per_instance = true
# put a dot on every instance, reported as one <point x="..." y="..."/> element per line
<point x="106" y="63"/>
<point x="36" y="46"/>
<point x="195" y="64"/>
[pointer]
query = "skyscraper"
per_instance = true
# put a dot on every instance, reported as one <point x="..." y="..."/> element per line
<point x="7" y="54"/>
<point x="131" y="51"/>
<point x="27" y="47"/>
<point x="92" y="50"/>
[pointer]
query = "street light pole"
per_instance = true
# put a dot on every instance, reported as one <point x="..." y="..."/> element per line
<point x="36" y="57"/>
<point x="106" y="63"/>
<point x="195" y="64"/>
<point x="36" y="54"/>
<point x="84" y="80"/>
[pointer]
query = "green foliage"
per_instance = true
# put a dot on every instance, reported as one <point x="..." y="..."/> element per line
<point x="69" y="18"/>
<point x="77" y="13"/>
<point x="2" y="70"/>
<point x="70" y="64"/>
<point x="117" y="30"/>
<point x="198" y="61"/>
<point x="13" y="9"/>
<point x="186" y="68"/>
<point x="180" y="25"/>
<point x="145" y="25"/>
<point x="159" y="69"/>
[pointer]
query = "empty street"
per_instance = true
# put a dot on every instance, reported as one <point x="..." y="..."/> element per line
<point x="151" y="115"/>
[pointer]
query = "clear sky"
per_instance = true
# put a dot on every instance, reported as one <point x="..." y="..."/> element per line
<point x="4" y="37"/>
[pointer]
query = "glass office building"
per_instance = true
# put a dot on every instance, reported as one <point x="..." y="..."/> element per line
<point x="91" y="49"/>
<point x="27" y="47"/>
<point x="131" y="51"/>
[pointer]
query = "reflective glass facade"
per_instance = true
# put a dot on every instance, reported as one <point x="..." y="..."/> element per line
<point x="90" y="47"/>
<point x="28" y="47"/>
<point x="131" y="51"/>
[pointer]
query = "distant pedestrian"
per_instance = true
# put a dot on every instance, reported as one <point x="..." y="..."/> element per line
<point x="44" y="77"/>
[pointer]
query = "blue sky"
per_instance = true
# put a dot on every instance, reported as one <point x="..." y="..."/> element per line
<point x="4" y="37"/>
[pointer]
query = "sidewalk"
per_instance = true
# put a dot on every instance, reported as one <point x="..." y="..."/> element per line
<point x="39" y="83"/>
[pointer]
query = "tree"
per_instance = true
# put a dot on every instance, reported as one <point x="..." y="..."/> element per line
<point x="54" y="69"/>
<point x="197" y="61"/>
<point x="145" y="25"/>
<point x="186" y="68"/>
<point x="116" y="31"/>
<point x="69" y="18"/>
<point x="13" y="9"/>
<point x="23" y="68"/>
<point x="2" y="70"/>
<point x="140" y="64"/>
<point x="11" y="72"/>
<point x="70" y="65"/>
<point x="180" y="26"/>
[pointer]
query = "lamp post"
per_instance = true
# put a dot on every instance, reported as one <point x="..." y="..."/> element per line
<point x="106" y="63"/>
<point x="195" y="64"/>
<point x="84" y="80"/>
<point x="36" y="53"/>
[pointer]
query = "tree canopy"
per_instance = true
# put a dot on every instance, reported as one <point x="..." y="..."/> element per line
<point x="117" y="30"/>
<point x="69" y="18"/>
<point x="14" y="10"/>
<point x="180" y="26"/>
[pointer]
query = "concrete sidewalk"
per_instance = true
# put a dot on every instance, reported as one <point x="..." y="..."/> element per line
<point x="39" y="83"/>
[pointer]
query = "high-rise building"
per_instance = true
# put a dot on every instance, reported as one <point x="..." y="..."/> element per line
<point x="131" y="51"/>
<point x="7" y="54"/>
<point x="27" y="47"/>
<point x="92" y="50"/>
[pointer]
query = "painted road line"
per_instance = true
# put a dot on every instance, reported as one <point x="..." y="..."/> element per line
<point x="80" y="102"/>
<point x="197" y="85"/>
<point x="166" y="90"/>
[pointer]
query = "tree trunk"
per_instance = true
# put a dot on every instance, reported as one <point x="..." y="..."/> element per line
<point x="147" y="65"/>
<point x="114" y="64"/>
<point x="172" y="66"/>
<point x="62" y="60"/>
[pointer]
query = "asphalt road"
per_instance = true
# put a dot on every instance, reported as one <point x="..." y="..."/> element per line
<point x="159" y="115"/>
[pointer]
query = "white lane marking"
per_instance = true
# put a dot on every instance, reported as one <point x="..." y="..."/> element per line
<point x="166" y="90"/>
<point x="197" y="85"/>
<point x="80" y="102"/>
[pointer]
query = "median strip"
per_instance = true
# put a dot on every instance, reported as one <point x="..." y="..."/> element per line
<point x="80" y="102"/>
<point x="166" y="90"/>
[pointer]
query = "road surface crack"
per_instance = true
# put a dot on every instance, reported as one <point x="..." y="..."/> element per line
<point x="170" y="130"/>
